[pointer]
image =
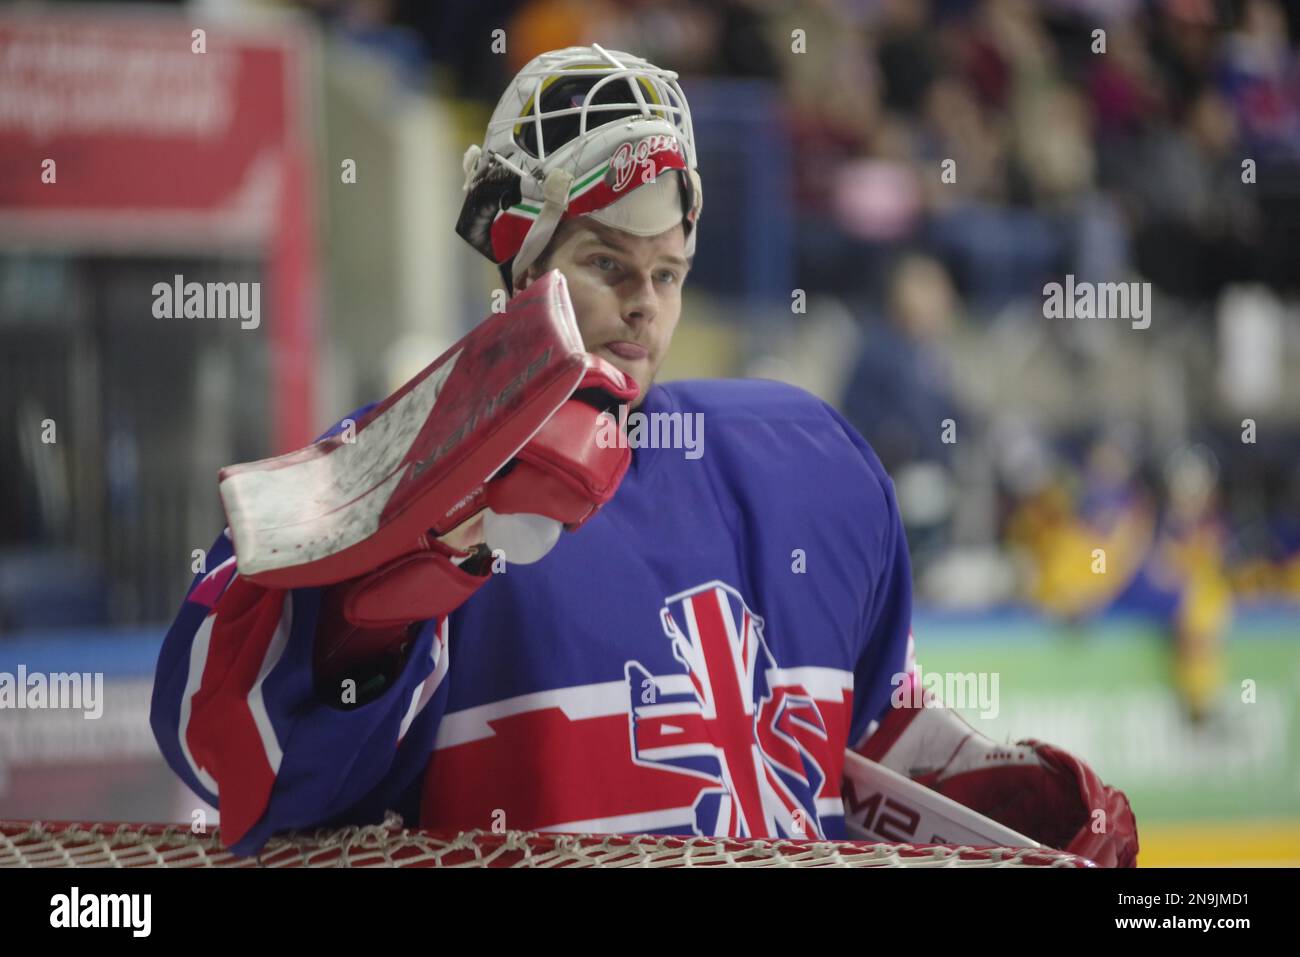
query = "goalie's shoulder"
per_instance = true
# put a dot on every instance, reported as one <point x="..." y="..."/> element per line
<point x="764" y="399"/>
<point x="778" y="407"/>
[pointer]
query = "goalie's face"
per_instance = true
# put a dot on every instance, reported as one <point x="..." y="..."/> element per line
<point x="626" y="291"/>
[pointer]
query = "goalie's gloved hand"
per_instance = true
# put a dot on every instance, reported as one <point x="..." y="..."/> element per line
<point x="1070" y="806"/>
<point x="559" y="479"/>
<point x="1037" y="789"/>
<point x="566" y="472"/>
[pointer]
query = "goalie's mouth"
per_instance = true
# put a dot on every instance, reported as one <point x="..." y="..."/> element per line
<point x="625" y="349"/>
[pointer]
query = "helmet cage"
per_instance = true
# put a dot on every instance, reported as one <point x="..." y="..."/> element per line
<point x="575" y="131"/>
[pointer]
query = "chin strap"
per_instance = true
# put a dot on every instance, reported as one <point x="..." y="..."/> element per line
<point x="555" y="193"/>
<point x="469" y="163"/>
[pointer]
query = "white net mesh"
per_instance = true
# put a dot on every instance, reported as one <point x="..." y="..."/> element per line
<point x="33" y="844"/>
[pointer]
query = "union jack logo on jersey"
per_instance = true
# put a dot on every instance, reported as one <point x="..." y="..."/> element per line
<point x="758" y="744"/>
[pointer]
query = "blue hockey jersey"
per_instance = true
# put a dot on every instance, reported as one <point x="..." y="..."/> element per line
<point x="694" y="660"/>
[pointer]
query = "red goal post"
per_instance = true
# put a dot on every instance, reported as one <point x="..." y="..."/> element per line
<point x="66" y="844"/>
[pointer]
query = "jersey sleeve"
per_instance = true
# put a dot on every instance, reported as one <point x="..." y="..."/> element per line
<point x="238" y="716"/>
<point x="886" y="648"/>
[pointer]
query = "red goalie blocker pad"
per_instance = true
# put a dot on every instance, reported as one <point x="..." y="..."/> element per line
<point x="416" y="462"/>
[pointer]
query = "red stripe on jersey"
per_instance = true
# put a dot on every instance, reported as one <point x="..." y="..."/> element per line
<point x="222" y="736"/>
<point x="543" y="769"/>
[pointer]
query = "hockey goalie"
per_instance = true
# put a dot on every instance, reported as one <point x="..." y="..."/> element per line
<point x="467" y="604"/>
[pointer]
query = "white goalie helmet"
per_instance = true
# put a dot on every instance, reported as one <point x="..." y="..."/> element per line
<point x="581" y="131"/>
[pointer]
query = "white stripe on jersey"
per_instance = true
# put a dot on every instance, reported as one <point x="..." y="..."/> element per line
<point x="198" y="660"/>
<point x="611" y="698"/>
<point x="256" y="704"/>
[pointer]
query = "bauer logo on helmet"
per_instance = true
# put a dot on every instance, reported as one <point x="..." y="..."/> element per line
<point x="631" y="157"/>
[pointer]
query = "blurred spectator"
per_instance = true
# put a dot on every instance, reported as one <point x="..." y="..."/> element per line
<point x="1085" y="532"/>
<point x="1261" y="78"/>
<point x="907" y="53"/>
<point x="900" y="391"/>
<point x="900" y="397"/>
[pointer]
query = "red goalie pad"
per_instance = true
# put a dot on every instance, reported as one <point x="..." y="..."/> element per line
<point x="349" y="503"/>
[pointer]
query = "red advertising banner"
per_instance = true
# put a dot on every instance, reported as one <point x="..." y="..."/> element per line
<point x="133" y="130"/>
<point x="118" y="123"/>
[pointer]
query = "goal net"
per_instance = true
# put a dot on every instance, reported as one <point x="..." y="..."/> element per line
<point x="37" y="844"/>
